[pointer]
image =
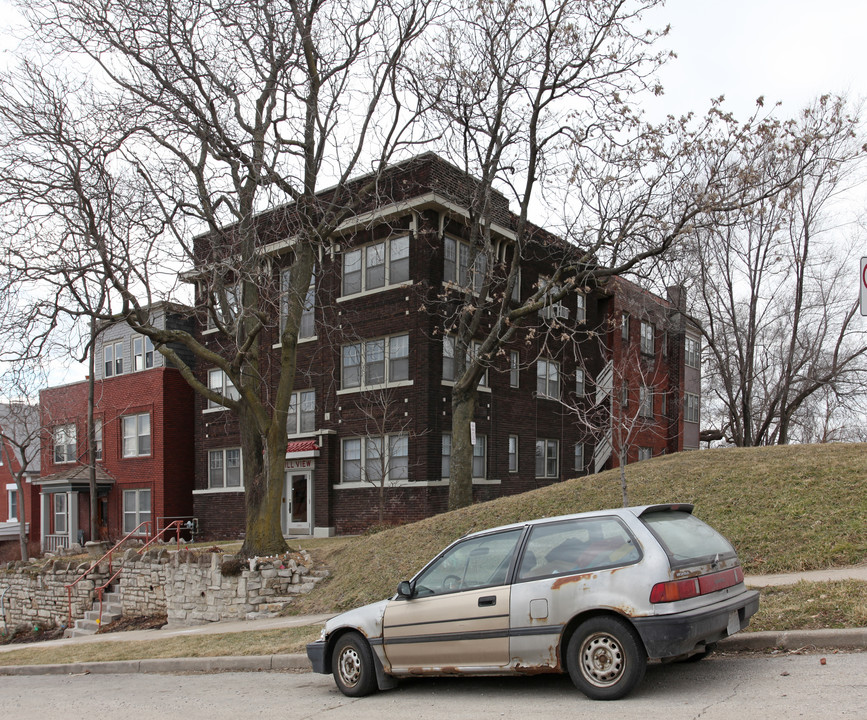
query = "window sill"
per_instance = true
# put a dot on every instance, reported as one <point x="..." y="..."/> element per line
<point x="217" y="491"/>
<point x="301" y="341"/>
<point x="374" y="388"/>
<point x="375" y="291"/>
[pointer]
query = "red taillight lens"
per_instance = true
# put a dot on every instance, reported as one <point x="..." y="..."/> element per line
<point x="675" y="590"/>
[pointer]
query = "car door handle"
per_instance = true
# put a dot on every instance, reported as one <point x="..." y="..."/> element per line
<point x="488" y="601"/>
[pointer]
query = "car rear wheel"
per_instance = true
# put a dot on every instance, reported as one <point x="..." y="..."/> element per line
<point x="352" y="665"/>
<point x="606" y="658"/>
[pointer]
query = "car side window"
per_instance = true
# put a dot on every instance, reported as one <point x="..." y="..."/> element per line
<point x="575" y="546"/>
<point x="475" y="563"/>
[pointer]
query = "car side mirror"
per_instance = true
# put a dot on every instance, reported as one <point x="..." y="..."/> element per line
<point x="405" y="589"/>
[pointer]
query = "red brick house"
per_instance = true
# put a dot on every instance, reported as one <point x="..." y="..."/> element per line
<point x="144" y="441"/>
<point x="371" y="338"/>
<point x="21" y="422"/>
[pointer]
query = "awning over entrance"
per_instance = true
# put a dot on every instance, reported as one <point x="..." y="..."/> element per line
<point x="76" y="478"/>
<point x="302" y="449"/>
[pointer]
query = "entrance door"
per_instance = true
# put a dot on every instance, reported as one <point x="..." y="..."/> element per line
<point x="298" y="503"/>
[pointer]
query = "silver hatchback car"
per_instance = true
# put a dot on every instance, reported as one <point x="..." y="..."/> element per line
<point x="595" y="594"/>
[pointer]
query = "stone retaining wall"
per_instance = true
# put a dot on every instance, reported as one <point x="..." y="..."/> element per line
<point x="190" y="588"/>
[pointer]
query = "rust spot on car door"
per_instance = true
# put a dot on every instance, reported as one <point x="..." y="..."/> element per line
<point x="560" y="582"/>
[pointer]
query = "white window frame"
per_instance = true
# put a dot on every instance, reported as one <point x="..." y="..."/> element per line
<point x="692" y="352"/>
<point x="301" y="419"/>
<point x="135" y="422"/>
<point x="645" y="401"/>
<point x="142" y="353"/>
<point x="462" y="275"/>
<point x="369" y="460"/>
<point x="480" y="456"/>
<point x="548" y="449"/>
<point x="546" y="380"/>
<point x="370" y="257"/>
<point x="647" y="337"/>
<point x="580" y="307"/>
<point x="97" y="438"/>
<point x="580" y="383"/>
<point x="223" y="483"/>
<point x="307" y="325"/>
<point x="513" y="453"/>
<point x="60" y="511"/>
<point x="691" y="408"/>
<point x="137" y="515"/>
<point x="219" y="382"/>
<point x="514" y="369"/>
<point x="12" y="503"/>
<point x="389" y="360"/>
<point x="474" y="349"/>
<point x="65" y="437"/>
<point x="112" y="354"/>
<point x="579" y="457"/>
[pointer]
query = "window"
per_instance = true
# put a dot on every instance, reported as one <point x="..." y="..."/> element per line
<point x="548" y="378"/>
<point x="375" y="458"/>
<point x="547" y="458"/>
<point x="646" y="338"/>
<point x="59" y="512"/>
<point x="624" y="327"/>
<point x="552" y="310"/>
<point x="449" y="359"/>
<point x="692" y="352"/>
<point x="664" y="403"/>
<point x="233" y="300"/>
<point x="514" y="369"/>
<point x="376" y="266"/>
<point x="224" y="468"/>
<point x="624" y="394"/>
<point x="691" y="403"/>
<point x="142" y="353"/>
<point x="302" y="413"/>
<point x="65" y="443"/>
<point x="516" y="288"/>
<point x="113" y="355"/>
<point x="645" y="453"/>
<point x="456" y="265"/>
<point x="513" y="453"/>
<point x="136" y="510"/>
<point x="136" y="435"/>
<point x="579" y="457"/>
<point x="645" y="401"/>
<point x="374" y="363"/>
<point x="480" y="455"/>
<point x="97" y="438"/>
<point x="307" y="326"/>
<point x="219" y="382"/>
<point x="579" y="383"/>
<point x="581" y="312"/>
<point x="12" y="504"/>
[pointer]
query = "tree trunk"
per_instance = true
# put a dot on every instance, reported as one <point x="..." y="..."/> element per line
<point x="22" y="532"/>
<point x="461" y="479"/>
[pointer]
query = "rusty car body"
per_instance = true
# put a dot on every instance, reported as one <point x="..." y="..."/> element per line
<point x="593" y="594"/>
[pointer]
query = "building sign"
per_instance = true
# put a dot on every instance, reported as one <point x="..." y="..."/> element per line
<point x="300" y="464"/>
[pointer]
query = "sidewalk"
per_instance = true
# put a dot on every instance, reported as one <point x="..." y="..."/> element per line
<point x="846" y="639"/>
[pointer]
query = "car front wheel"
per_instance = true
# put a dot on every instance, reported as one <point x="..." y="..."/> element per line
<point x="352" y="665"/>
<point x="606" y="658"/>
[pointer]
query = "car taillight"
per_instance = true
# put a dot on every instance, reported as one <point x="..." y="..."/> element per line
<point x="692" y="587"/>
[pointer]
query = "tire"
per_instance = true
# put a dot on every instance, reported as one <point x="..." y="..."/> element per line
<point x="352" y="665"/>
<point x="605" y="658"/>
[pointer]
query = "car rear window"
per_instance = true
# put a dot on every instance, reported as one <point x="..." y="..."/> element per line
<point x="686" y="539"/>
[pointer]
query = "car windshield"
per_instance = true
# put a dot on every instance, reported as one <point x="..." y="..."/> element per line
<point x="686" y="539"/>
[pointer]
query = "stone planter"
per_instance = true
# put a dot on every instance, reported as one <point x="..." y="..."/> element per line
<point x="96" y="549"/>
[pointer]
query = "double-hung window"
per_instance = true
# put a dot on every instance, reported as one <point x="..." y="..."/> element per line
<point x="64" y="443"/>
<point x="645" y="401"/>
<point x="136" y="435"/>
<point x="645" y="453"/>
<point x="646" y="337"/>
<point x="579" y="457"/>
<point x="692" y="352"/>
<point x="374" y="363"/>
<point x="220" y="383"/>
<point x="97" y="438"/>
<point x="224" y="468"/>
<point x="375" y="459"/>
<point x="691" y="403"/>
<point x="457" y="268"/>
<point x="12" y="504"/>
<point x="376" y="266"/>
<point x="59" y="511"/>
<point x="142" y="353"/>
<point x="579" y="383"/>
<point x="513" y="453"/>
<point x="136" y="510"/>
<point x="480" y="456"/>
<point x="449" y="367"/>
<point x="302" y="413"/>
<point x="113" y="356"/>
<point x="514" y="368"/>
<point x="307" y="326"/>
<point x="547" y="458"/>
<point x="232" y="296"/>
<point x="581" y="307"/>
<point x="548" y="378"/>
<point x="624" y="327"/>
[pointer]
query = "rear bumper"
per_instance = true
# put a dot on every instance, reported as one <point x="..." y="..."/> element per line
<point x="316" y="656"/>
<point x="667" y="636"/>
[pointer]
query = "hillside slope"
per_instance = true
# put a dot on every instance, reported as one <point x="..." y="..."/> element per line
<point x="785" y="508"/>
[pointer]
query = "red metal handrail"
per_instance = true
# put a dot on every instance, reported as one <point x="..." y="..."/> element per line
<point x="177" y="526"/>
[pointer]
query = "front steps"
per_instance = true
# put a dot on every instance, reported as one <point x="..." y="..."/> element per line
<point x="90" y="623"/>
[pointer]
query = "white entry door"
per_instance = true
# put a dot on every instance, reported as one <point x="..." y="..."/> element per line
<point x="298" y="503"/>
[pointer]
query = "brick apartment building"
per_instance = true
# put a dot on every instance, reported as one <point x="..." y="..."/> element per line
<point x="19" y="422"/>
<point x="143" y="423"/>
<point x="372" y="338"/>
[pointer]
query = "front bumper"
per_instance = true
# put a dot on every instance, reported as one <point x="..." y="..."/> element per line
<point x="666" y="636"/>
<point x="316" y="655"/>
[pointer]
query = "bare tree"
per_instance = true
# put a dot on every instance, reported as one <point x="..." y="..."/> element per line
<point x="779" y="325"/>
<point x="540" y="102"/>
<point x="201" y="116"/>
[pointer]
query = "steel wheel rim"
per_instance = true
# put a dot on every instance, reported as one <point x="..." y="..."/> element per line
<point x="602" y="660"/>
<point x="350" y="666"/>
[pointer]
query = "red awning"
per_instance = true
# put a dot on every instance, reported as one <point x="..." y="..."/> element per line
<point x="296" y="446"/>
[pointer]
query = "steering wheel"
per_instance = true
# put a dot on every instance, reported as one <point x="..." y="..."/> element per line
<point x="451" y="582"/>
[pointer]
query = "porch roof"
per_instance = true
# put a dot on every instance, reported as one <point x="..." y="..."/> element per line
<point x="74" y="478"/>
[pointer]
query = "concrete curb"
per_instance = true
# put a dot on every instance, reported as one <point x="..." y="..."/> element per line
<point x="848" y="639"/>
